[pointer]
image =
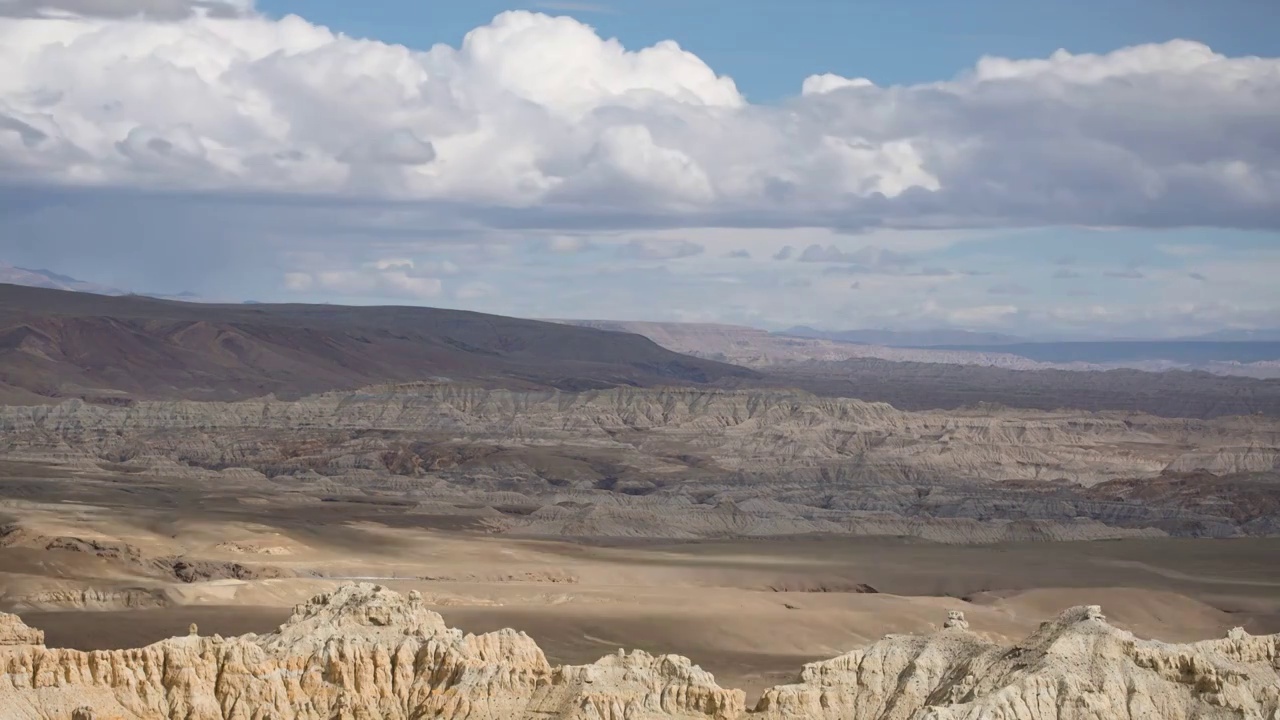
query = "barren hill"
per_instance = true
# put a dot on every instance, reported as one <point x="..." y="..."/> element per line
<point x="57" y="344"/>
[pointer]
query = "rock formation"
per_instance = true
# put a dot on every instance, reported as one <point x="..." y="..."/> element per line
<point x="14" y="632"/>
<point x="1076" y="667"/>
<point x="361" y="652"/>
<point x="364" y="652"/>
<point x="686" y="463"/>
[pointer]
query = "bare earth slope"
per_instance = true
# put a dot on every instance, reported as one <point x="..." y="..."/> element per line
<point x="62" y="344"/>
<point x="366" y="652"/>
<point x="56" y="344"/>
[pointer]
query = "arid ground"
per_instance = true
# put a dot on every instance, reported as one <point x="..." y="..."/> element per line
<point x="94" y="573"/>
<point x="214" y="465"/>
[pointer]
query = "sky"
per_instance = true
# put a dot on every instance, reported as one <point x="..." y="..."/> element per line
<point x="1052" y="169"/>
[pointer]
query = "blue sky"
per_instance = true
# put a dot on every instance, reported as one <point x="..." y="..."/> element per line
<point x="768" y="45"/>
<point x="838" y="164"/>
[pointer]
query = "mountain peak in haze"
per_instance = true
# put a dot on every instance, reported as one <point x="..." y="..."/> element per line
<point x="49" y="280"/>
<point x="52" y="281"/>
<point x="905" y="338"/>
<point x="1255" y="335"/>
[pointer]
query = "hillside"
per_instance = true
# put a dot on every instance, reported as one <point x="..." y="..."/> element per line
<point x="56" y="344"/>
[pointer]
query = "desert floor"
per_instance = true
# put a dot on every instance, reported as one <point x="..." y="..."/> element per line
<point x="99" y="572"/>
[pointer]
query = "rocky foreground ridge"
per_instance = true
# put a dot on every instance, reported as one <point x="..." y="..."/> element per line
<point x="364" y="651"/>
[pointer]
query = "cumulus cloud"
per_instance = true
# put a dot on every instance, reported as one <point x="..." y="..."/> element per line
<point x="738" y="254"/>
<point x="149" y="9"/>
<point x="393" y="277"/>
<point x="828" y="82"/>
<point x="217" y="97"/>
<point x="865" y="259"/>
<point x="1198" y="276"/>
<point x="397" y="147"/>
<point x="784" y="253"/>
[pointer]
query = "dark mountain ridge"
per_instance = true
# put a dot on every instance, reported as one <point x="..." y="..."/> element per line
<point x="57" y="344"/>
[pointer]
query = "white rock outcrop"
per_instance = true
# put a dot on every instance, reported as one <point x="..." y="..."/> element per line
<point x="366" y="653"/>
<point x="1076" y="667"/>
<point x="362" y="652"/>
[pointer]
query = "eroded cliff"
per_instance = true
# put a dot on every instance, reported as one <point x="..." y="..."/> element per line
<point x="677" y="463"/>
<point x="366" y="652"/>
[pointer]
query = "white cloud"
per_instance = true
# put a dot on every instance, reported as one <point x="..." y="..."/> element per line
<point x="275" y="155"/>
<point x="389" y="277"/>
<point x="868" y="257"/>
<point x="397" y="147"/>
<point x="151" y="9"/>
<point x="819" y="84"/>
<point x="249" y="103"/>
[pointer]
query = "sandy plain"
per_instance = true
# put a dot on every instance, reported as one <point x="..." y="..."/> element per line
<point x="110" y="563"/>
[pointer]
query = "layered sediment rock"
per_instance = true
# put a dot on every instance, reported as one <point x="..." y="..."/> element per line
<point x="1075" y="667"/>
<point x="667" y="463"/>
<point x="360" y="652"/>
<point x="366" y="652"/>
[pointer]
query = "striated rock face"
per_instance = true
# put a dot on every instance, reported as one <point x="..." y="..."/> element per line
<point x="361" y="652"/>
<point x="685" y="463"/>
<point x="14" y="632"/>
<point x="364" y="652"/>
<point x="1076" y="667"/>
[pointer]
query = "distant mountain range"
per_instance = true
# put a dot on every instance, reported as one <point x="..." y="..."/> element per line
<point x="56" y="344"/>
<point x="905" y="338"/>
<point x="1264" y="335"/>
<point x="50" y="280"/>
<point x="946" y="338"/>
<point x="1215" y="351"/>
<point x="942" y="339"/>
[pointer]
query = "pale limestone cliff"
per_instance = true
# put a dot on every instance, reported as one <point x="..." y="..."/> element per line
<point x="366" y="653"/>
<point x="359" y="653"/>
<point x="1076" y="667"/>
<point x="14" y="632"/>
